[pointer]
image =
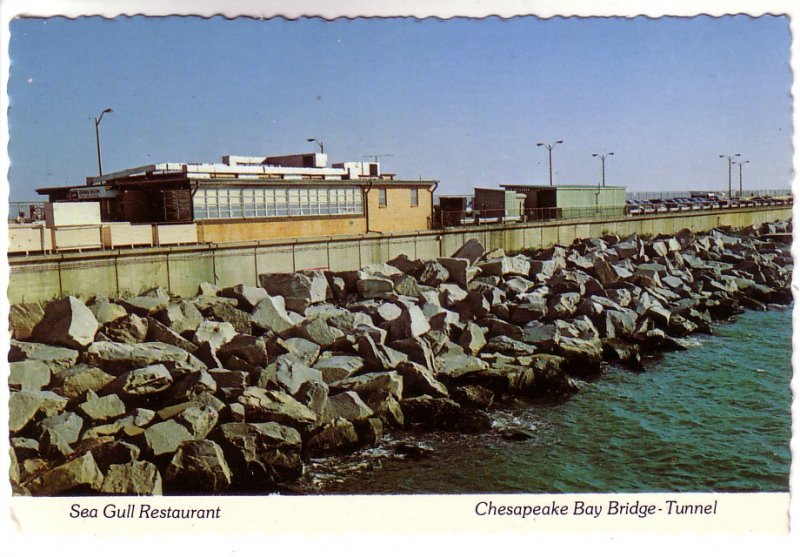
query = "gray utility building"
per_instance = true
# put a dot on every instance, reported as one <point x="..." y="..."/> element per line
<point x="574" y="201"/>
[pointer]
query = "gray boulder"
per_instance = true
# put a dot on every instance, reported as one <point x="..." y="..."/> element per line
<point x="165" y="437"/>
<point x="336" y="368"/>
<point x="67" y="322"/>
<point x="182" y="317"/>
<point x="115" y="357"/>
<point x="198" y="467"/>
<point x="102" y="409"/>
<point x="23" y="406"/>
<point x="142" y="381"/>
<point x="77" y="475"/>
<point x="23" y="318"/>
<point x="261" y="454"/>
<point x="261" y="405"/>
<point x="335" y="437"/>
<point x="270" y="315"/>
<point x="428" y="413"/>
<point x="133" y="478"/>
<point x="107" y="312"/>
<point x="348" y="406"/>
<point x="299" y="290"/>
<point x="28" y="375"/>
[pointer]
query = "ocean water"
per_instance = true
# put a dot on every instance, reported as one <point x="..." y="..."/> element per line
<point x="714" y="418"/>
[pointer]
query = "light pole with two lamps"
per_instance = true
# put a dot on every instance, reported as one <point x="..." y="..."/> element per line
<point x="730" y="166"/>
<point x="603" y="165"/>
<point x="549" y="147"/>
<point x="741" y="163"/>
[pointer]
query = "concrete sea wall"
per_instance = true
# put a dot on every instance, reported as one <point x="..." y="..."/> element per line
<point x="181" y="269"/>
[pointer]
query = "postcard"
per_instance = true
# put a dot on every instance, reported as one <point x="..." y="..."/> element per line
<point x="491" y="271"/>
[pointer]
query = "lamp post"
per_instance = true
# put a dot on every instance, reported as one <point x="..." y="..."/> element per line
<point x="97" y="138"/>
<point x="603" y="165"/>
<point x="549" y="148"/>
<point x="318" y="142"/>
<point x="741" y="164"/>
<point x="730" y="166"/>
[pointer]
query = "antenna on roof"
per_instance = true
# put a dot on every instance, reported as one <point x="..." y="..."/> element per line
<point x="375" y="157"/>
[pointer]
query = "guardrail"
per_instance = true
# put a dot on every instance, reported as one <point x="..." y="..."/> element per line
<point x="447" y="219"/>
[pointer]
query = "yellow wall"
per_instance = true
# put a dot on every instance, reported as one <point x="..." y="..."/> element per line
<point x="399" y="215"/>
<point x="238" y="231"/>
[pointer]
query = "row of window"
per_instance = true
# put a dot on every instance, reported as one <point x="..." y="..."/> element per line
<point x="225" y="203"/>
<point x="382" y="197"/>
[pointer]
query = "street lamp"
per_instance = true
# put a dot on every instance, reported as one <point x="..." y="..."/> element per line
<point x="730" y="166"/>
<point x="741" y="163"/>
<point x="97" y="137"/>
<point x="549" y="148"/>
<point x="318" y="142"/>
<point x="603" y="165"/>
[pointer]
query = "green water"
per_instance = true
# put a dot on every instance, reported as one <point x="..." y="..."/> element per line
<point x="714" y="418"/>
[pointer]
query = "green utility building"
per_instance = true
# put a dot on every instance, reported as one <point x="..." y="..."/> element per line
<point x="575" y="201"/>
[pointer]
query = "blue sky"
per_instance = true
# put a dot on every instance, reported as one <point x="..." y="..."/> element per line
<point x="462" y="101"/>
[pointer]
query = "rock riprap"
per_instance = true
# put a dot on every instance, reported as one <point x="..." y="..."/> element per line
<point x="235" y="389"/>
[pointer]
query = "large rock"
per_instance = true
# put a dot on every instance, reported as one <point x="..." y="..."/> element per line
<point x="451" y="366"/>
<point x="428" y="413"/>
<point x="299" y="290"/>
<point x="76" y="381"/>
<point x="472" y="338"/>
<point x="247" y="296"/>
<point x="198" y="467"/>
<point x="158" y="332"/>
<point x="270" y="315"/>
<point x="411" y="323"/>
<point x="101" y="409"/>
<point x="336" y="437"/>
<point x="133" y="478"/>
<point x="199" y="420"/>
<point x="472" y="250"/>
<point x="142" y="381"/>
<point x="261" y="454"/>
<point x="55" y="357"/>
<point x="273" y="406"/>
<point x="214" y="334"/>
<point x="23" y="318"/>
<point x="165" y="437"/>
<point x="28" y="375"/>
<point x="183" y="317"/>
<point x="78" y="475"/>
<point x="250" y="349"/>
<point x="67" y="322"/>
<point x="106" y="311"/>
<point x="319" y="332"/>
<point x="375" y="287"/>
<point x="301" y="349"/>
<point x="147" y="303"/>
<point x="336" y="368"/>
<point x="23" y="406"/>
<point x="367" y="383"/>
<point x="131" y="329"/>
<point x="417" y="380"/>
<point x="418" y="350"/>
<point x="518" y="265"/>
<point x="225" y="312"/>
<point x="347" y="405"/>
<point x="459" y="269"/>
<point x="304" y="383"/>
<point x="583" y="357"/>
<point x="433" y="274"/>
<point x="378" y="356"/>
<point x="114" y="357"/>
